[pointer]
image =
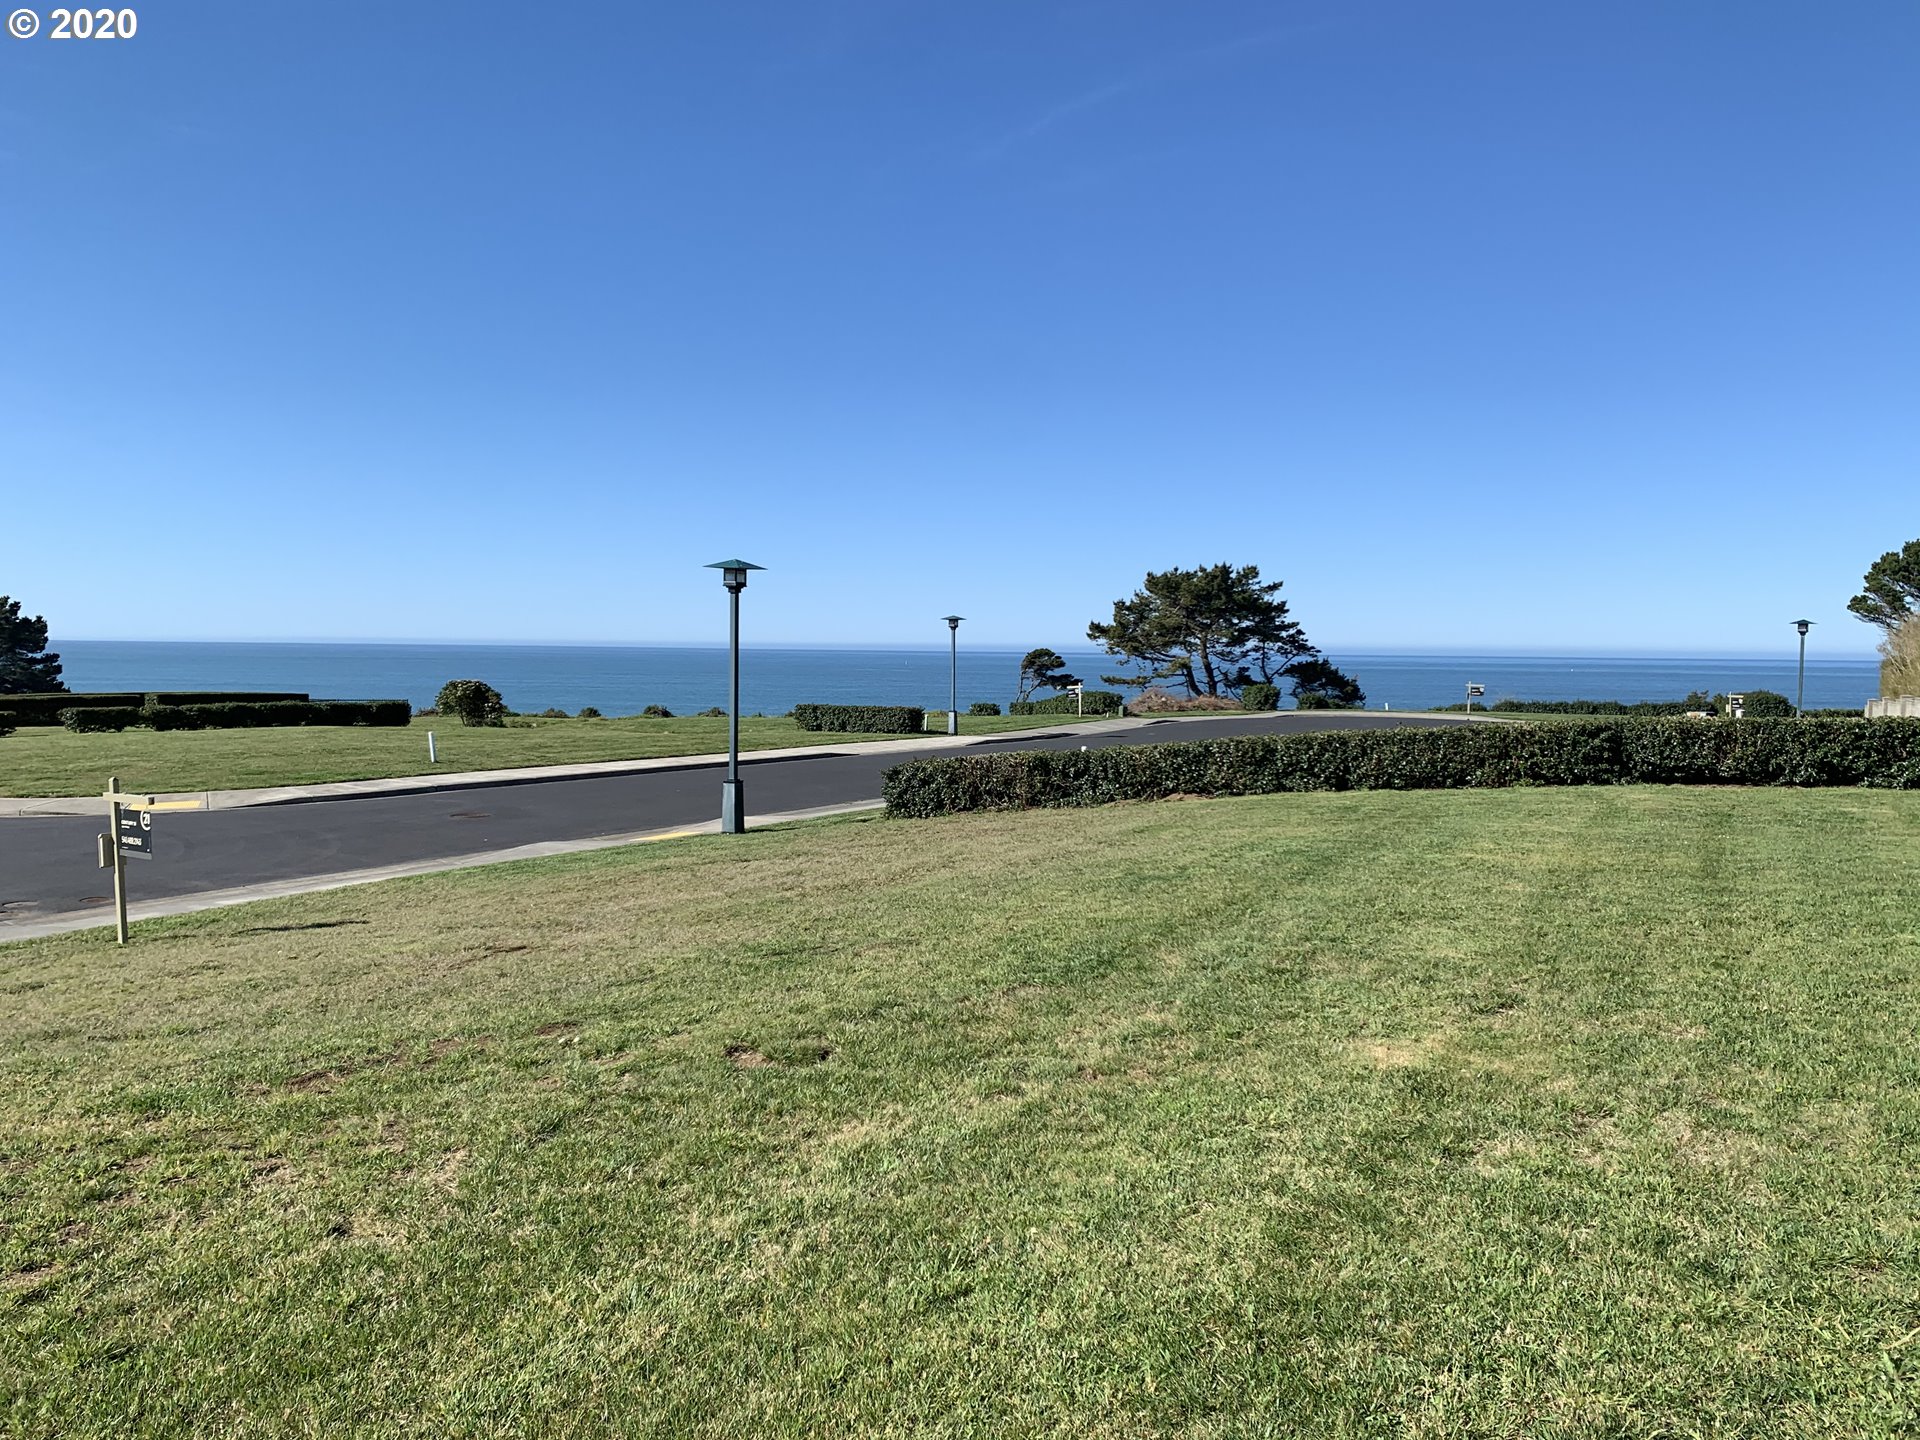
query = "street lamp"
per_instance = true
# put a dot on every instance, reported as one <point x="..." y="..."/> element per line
<point x="1800" y="699"/>
<point x="953" y="673"/>
<point x="733" y="810"/>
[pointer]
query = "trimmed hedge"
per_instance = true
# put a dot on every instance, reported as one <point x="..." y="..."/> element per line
<point x="983" y="707"/>
<point x="223" y="697"/>
<point x="861" y="719"/>
<point x="1882" y="753"/>
<point x="1096" y="702"/>
<point x="44" y="708"/>
<point x="90" y="719"/>
<point x="238" y="715"/>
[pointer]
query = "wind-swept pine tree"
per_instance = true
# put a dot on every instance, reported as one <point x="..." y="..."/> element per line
<point x="26" y="666"/>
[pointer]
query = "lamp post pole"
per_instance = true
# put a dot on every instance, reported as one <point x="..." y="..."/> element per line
<point x="953" y="673"/>
<point x="733" y="808"/>
<point x="1800" y="697"/>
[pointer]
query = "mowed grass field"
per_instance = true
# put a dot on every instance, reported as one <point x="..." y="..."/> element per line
<point x="1511" y="1113"/>
<point x="41" y="761"/>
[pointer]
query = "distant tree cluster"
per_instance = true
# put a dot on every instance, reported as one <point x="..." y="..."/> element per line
<point x="1214" y="631"/>
<point x="27" y="667"/>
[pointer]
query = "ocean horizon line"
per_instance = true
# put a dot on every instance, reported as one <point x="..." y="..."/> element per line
<point x="1371" y="651"/>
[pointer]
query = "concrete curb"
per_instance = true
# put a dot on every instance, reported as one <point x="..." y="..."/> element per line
<point x="11" y="931"/>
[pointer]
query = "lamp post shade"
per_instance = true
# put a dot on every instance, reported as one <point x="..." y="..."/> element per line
<point x="953" y="621"/>
<point x="733" y="573"/>
<point x="1803" y="626"/>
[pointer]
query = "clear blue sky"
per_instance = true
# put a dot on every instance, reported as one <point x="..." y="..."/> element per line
<point x="1480" y="324"/>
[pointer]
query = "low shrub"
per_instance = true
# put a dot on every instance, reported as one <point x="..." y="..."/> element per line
<point x="1262" y="696"/>
<point x="1879" y="753"/>
<point x="656" y="712"/>
<point x="1155" y="701"/>
<point x="713" y="712"/>
<point x="1766" y="705"/>
<point x="983" y="707"/>
<point x="587" y="712"/>
<point x="554" y="713"/>
<point x="472" y="702"/>
<point x="861" y="719"/>
<point x="95" y="719"/>
<point x="1093" y="702"/>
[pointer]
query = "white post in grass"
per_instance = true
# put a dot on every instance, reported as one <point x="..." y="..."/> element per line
<point x="433" y="754"/>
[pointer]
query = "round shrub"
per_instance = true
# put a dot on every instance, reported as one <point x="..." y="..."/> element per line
<point x="472" y="702"/>
<point x="587" y="712"/>
<point x="1767" y="705"/>
<point x="656" y="712"/>
<point x="552" y="713"/>
<point x="983" y="707"/>
<point x="1259" y="696"/>
<point x="713" y="712"/>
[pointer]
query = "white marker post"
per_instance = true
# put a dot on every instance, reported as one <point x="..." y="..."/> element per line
<point x="433" y="755"/>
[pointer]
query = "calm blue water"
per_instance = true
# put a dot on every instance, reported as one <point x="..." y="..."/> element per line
<point x="619" y="680"/>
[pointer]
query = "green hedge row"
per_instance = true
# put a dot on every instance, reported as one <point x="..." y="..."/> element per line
<point x="861" y="719"/>
<point x="226" y="697"/>
<point x="238" y="715"/>
<point x="44" y="708"/>
<point x="1884" y="753"/>
<point x="1095" y="702"/>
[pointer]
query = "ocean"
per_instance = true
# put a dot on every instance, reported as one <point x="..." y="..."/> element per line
<point x="621" y="679"/>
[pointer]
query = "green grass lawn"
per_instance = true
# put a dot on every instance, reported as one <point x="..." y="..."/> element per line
<point x="1512" y="1113"/>
<point x="48" y="761"/>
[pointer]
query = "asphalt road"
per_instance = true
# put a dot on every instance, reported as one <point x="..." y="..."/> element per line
<point x="48" y="866"/>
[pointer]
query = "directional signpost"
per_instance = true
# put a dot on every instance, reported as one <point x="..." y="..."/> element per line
<point x="1473" y="691"/>
<point x="130" y="832"/>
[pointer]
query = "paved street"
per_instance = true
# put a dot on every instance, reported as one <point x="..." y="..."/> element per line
<point x="48" y="870"/>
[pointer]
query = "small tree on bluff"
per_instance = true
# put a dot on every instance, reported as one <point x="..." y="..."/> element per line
<point x="1043" y="669"/>
<point x="26" y="666"/>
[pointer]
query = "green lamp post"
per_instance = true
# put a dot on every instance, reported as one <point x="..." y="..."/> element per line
<point x="733" y="810"/>
<point x="953" y="673"/>
<point x="1800" y="697"/>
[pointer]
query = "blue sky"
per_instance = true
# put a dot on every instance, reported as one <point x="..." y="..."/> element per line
<point x="1481" y="325"/>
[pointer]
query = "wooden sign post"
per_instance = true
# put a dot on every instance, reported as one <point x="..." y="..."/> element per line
<point x="129" y="832"/>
